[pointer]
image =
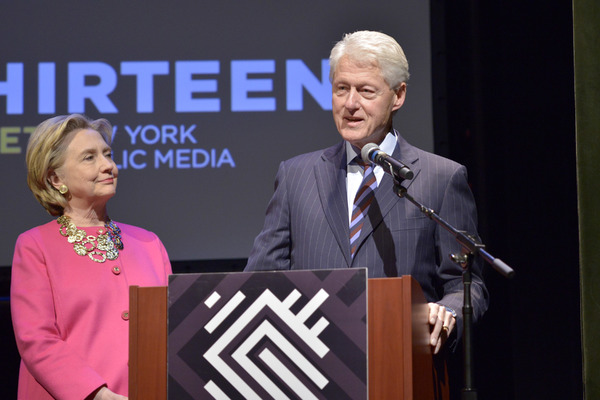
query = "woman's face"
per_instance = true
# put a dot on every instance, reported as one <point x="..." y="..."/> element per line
<point x="88" y="170"/>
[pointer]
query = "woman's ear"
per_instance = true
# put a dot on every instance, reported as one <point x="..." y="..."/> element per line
<point x="55" y="180"/>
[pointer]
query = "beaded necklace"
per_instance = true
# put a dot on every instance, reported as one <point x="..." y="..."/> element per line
<point x="98" y="249"/>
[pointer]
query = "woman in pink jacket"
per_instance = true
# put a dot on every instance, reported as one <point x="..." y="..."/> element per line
<point x="71" y="276"/>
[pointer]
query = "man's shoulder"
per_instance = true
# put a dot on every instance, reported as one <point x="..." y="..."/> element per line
<point x="437" y="159"/>
<point x="313" y="157"/>
<point x="410" y="153"/>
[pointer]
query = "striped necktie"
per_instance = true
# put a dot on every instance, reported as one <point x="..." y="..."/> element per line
<point x="362" y="201"/>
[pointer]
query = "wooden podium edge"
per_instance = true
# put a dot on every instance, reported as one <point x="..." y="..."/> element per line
<point x="389" y="339"/>
<point x="400" y="359"/>
<point x="147" y="342"/>
<point x="430" y="374"/>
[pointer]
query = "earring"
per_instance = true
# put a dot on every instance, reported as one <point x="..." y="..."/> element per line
<point x="63" y="189"/>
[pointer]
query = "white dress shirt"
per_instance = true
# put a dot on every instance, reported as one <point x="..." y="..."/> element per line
<point x="355" y="172"/>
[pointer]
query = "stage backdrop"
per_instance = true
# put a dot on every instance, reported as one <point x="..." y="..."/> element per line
<point x="206" y="99"/>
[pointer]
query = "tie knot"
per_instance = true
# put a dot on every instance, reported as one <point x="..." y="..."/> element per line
<point x="359" y="161"/>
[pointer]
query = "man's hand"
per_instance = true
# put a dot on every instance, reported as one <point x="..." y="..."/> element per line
<point x="442" y="323"/>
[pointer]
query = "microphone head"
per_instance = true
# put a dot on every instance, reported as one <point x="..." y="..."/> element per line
<point x="367" y="150"/>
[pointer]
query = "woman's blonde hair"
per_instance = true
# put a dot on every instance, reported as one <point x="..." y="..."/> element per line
<point x="46" y="152"/>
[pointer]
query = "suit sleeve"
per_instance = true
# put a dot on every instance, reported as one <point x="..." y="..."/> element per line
<point x="271" y="250"/>
<point x="458" y="209"/>
<point x="46" y="355"/>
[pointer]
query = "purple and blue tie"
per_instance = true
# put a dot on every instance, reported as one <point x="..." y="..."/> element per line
<point x="362" y="201"/>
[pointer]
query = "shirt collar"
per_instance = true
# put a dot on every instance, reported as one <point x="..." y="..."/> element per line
<point x="387" y="146"/>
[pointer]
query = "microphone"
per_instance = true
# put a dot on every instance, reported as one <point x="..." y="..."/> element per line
<point x="372" y="152"/>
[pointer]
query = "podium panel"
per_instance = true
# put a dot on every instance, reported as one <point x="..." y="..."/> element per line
<point x="293" y="334"/>
<point x="263" y="335"/>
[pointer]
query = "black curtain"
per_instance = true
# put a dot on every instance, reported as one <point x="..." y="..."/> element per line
<point x="504" y="107"/>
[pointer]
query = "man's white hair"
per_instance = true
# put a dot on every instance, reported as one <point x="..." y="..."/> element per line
<point x="372" y="48"/>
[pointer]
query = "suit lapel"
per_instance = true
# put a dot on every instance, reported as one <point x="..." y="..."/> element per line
<point x="330" y="175"/>
<point x="385" y="196"/>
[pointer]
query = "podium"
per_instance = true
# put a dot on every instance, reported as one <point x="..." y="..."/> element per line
<point x="400" y="363"/>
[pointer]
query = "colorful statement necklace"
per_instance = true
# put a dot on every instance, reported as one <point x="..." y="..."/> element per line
<point x="98" y="249"/>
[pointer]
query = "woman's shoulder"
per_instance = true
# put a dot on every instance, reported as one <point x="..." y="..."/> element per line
<point x="44" y="229"/>
<point x="40" y="236"/>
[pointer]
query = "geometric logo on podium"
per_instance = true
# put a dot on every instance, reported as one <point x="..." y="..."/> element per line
<point x="268" y="335"/>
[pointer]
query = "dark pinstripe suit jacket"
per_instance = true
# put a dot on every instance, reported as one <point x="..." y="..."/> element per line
<point x="306" y="225"/>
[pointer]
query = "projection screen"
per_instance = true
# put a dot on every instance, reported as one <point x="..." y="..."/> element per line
<point x="206" y="99"/>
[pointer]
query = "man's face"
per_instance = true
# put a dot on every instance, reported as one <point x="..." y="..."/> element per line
<point x="362" y="102"/>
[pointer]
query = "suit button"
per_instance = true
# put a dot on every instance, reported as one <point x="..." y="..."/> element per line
<point x="125" y="315"/>
<point x="116" y="270"/>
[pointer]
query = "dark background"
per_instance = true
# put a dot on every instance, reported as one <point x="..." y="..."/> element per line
<point x="504" y="97"/>
<point x="504" y="107"/>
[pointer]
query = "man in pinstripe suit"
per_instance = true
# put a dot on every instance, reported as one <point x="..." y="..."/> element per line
<point x="307" y="220"/>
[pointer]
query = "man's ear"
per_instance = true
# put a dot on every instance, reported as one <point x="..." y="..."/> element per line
<point x="400" y="96"/>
